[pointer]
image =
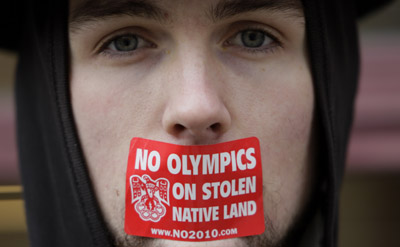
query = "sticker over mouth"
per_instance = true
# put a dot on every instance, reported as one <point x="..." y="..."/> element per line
<point x="194" y="193"/>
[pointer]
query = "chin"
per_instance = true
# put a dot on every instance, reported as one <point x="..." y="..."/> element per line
<point x="251" y="241"/>
<point x="132" y="241"/>
<point x="234" y="242"/>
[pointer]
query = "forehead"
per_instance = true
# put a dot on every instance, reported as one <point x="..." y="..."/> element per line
<point x="215" y="10"/>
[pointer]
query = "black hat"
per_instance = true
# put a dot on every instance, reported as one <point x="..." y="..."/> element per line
<point x="365" y="7"/>
<point x="11" y="15"/>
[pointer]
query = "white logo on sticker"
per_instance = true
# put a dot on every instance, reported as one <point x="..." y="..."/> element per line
<point x="149" y="195"/>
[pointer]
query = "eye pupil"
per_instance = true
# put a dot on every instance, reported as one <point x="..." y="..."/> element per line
<point x="253" y="38"/>
<point x="126" y="43"/>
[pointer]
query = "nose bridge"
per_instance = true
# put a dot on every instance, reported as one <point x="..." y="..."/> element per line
<point x="196" y="109"/>
<point x="196" y="79"/>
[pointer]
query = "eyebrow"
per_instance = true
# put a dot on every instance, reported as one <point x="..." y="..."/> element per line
<point x="229" y="8"/>
<point x="92" y="10"/>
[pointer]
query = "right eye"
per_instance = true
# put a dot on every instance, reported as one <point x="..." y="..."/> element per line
<point x="124" y="43"/>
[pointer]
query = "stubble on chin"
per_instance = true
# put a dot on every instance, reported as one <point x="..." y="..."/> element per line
<point x="133" y="241"/>
<point x="270" y="238"/>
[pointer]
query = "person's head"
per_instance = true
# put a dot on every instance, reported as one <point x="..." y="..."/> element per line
<point x="192" y="73"/>
<point x="93" y="74"/>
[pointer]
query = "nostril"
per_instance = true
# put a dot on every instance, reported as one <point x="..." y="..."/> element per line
<point x="215" y="127"/>
<point x="178" y="128"/>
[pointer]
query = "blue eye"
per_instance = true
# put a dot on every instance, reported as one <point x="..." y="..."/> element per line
<point x="124" y="43"/>
<point x="252" y="38"/>
<point x="127" y="44"/>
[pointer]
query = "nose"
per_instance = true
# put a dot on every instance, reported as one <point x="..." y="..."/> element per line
<point x="196" y="111"/>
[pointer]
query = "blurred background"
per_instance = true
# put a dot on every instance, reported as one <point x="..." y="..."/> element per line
<point x="370" y="201"/>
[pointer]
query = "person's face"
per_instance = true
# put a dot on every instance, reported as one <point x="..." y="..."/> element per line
<point x="194" y="72"/>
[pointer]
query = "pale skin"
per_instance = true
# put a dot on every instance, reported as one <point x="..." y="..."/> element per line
<point x="190" y="79"/>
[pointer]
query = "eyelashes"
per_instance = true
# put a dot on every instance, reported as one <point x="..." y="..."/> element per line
<point x="251" y="40"/>
<point x="124" y="44"/>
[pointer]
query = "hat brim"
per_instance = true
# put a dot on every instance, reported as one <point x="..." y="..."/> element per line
<point x="366" y="7"/>
<point x="11" y="23"/>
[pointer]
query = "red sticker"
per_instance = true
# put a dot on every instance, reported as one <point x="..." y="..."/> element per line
<point x="194" y="193"/>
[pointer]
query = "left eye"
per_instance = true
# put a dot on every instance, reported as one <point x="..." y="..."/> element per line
<point x="251" y="39"/>
<point x="126" y="43"/>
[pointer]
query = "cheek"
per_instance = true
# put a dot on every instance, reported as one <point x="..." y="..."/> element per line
<point x="280" y="104"/>
<point x="106" y="114"/>
<point x="107" y="102"/>
<point x="284" y="126"/>
<point x="94" y="109"/>
<point x="110" y="107"/>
